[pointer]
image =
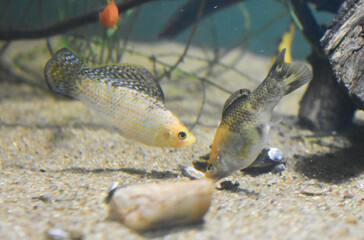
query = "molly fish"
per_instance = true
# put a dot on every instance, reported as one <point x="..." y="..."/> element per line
<point x="127" y="96"/>
<point x="247" y="117"/>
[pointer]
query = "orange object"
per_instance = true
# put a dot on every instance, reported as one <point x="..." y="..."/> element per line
<point x="109" y="17"/>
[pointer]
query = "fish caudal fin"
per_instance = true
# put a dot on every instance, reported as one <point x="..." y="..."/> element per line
<point x="290" y="76"/>
<point x="61" y="72"/>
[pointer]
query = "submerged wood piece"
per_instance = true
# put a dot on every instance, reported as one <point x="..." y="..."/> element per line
<point x="186" y="15"/>
<point x="343" y="43"/>
<point x="325" y="106"/>
<point x="152" y="206"/>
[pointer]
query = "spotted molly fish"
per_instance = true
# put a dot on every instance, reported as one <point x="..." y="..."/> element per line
<point x="127" y="96"/>
<point x="247" y="117"/>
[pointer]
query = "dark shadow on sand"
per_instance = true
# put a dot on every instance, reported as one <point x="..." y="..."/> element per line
<point x="72" y="124"/>
<point x="340" y="165"/>
<point x="162" y="232"/>
<point x="133" y="171"/>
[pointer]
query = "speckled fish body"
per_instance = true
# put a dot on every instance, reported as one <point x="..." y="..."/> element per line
<point x="246" y="118"/>
<point x="127" y="96"/>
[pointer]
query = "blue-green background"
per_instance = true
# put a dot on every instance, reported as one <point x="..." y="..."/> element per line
<point x="229" y="22"/>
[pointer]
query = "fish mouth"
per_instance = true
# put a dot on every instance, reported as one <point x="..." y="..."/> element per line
<point x="193" y="139"/>
<point x="185" y="143"/>
<point x="190" y="140"/>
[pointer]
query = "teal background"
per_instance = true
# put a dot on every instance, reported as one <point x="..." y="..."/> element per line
<point x="228" y="23"/>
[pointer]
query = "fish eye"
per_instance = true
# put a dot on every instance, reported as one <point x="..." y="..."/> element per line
<point x="210" y="168"/>
<point x="182" y="135"/>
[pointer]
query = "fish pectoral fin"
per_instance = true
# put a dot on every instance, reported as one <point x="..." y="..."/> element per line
<point x="275" y="120"/>
<point x="237" y="95"/>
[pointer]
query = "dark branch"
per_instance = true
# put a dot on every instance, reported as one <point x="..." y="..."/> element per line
<point x="65" y="25"/>
<point x="187" y="14"/>
<point x="311" y="30"/>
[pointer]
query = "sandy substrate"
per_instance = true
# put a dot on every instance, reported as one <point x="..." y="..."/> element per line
<point x="58" y="159"/>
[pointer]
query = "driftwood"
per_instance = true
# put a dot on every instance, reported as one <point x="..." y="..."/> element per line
<point x="343" y="43"/>
<point x="186" y="15"/>
<point x="326" y="105"/>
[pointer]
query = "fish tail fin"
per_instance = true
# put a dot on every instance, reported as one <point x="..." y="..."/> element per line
<point x="290" y="76"/>
<point x="61" y="71"/>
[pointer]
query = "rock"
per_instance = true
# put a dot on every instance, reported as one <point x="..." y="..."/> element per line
<point x="152" y="206"/>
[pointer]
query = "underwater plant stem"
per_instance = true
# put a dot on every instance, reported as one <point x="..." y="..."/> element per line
<point x="193" y="31"/>
<point x="202" y="104"/>
<point x="18" y="61"/>
<point x="8" y="70"/>
<point x="4" y="47"/>
<point x="49" y="46"/>
<point x="102" y="49"/>
<point x="128" y="34"/>
<point x="246" y="38"/>
<point x="185" y="16"/>
<point x="209" y="62"/>
<point x="214" y="36"/>
<point x="310" y="28"/>
<point x="246" y="16"/>
<point x="242" y="42"/>
<point x="64" y="25"/>
<point x="184" y="73"/>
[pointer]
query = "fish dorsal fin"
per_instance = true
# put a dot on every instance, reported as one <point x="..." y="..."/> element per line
<point x="129" y="76"/>
<point x="237" y="95"/>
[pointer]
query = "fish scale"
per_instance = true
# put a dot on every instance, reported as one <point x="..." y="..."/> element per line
<point x="130" y="116"/>
<point x="126" y="95"/>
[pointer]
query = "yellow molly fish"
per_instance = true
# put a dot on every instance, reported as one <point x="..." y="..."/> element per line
<point x="246" y="118"/>
<point x="126" y="95"/>
<point x="286" y="43"/>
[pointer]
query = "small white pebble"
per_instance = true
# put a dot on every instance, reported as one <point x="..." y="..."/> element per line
<point x="57" y="234"/>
